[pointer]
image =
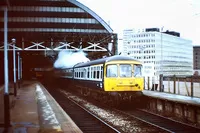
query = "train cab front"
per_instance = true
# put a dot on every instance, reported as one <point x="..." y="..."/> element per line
<point x="124" y="80"/>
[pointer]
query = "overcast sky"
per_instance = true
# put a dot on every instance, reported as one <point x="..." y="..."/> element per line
<point x="178" y="15"/>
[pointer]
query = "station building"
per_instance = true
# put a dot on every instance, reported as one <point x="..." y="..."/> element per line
<point x="42" y="28"/>
<point x="161" y="52"/>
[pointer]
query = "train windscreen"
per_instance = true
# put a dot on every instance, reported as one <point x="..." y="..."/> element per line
<point x="137" y="70"/>
<point x="111" y="71"/>
<point x="125" y="70"/>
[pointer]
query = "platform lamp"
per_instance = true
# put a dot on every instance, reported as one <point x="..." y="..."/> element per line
<point x="161" y="40"/>
<point x="142" y="50"/>
<point x="19" y="68"/>
<point x="14" y="67"/>
<point x="161" y="74"/>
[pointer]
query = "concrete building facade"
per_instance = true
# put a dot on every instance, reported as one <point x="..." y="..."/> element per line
<point x="161" y="52"/>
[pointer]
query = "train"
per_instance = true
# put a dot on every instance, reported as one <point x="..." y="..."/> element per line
<point x="111" y="79"/>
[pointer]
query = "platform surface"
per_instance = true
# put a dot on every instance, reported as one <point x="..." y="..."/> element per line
<point x="34" y="110"/>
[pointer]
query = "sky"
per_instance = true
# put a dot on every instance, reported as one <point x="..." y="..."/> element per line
<point x="182" y="16"/>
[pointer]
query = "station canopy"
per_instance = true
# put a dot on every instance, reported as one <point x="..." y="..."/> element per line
<point x="49" y="26"/>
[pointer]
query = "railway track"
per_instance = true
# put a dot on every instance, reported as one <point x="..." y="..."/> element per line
<point x="84" y="119"/>
<point x="104" y="122"/>
<point x="161" y="122"/>
<point x="118" y="120"/>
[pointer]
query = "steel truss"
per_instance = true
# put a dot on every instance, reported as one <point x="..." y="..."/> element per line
<point x="70" y="42"/>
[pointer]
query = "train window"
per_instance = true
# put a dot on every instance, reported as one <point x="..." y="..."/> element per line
<point x="111" y="71"/>
<point x="88" y="70"/>
<point x="79" y="74"/>
<point x="125" y="70"/>
<point x="137" y="70"/>
<point x="91" y="72"/>
<point x="98" y="68"/>
<point x="94" y="74"/>
<point x="101" y="76"/>
<point x="88" y="73"/>
<point x="84" y="73"/>
<point x="76" y="73"/>
<point x="98" y="74"/>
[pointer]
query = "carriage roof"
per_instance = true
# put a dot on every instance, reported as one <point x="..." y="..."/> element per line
<point x="106" y="59"/>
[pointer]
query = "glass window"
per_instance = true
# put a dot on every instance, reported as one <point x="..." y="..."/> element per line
<point x="125" y="70"/>
<point x="84" y="72"/>
<point x="88" y="72"/>
<point x="111" y="71"/>
<point x="94" y="74"/>
<point x="70" y="9"/>
<point x="137" y="70"/>
<point x="101" y="75"/>
<point x="98" y="73"/>
<point x="91" y="72"/>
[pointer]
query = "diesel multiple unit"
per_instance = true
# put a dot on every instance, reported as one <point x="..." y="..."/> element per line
<point x="112" y="79"/>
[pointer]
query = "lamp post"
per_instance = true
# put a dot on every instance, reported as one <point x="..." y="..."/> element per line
<point x="14" y="67"/>
<point x="6" y="90"/>
<point x="161" y="74"/>
<point x="161" y="50"/>
<point x="142" y="49"/>
<point x="19" y="69"/>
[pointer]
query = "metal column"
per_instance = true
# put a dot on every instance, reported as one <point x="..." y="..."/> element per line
<point x="6" y="90"/>
<point x="19" y="73"/>
<point x="20" y="69"/>
<point x="14" y="67"/>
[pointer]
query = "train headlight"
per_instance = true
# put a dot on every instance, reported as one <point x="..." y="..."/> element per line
<point x="100" y="85"/>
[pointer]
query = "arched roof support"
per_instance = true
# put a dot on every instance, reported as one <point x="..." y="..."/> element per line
<point x="106" y="26"/>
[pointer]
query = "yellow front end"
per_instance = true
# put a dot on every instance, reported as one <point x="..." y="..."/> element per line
<point x="123" y="84"/>
<point x="118" y="81"/>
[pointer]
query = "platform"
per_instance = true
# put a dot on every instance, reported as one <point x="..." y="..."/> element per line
<point x="173" y="97"/>
<point x="34" y="110"/>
